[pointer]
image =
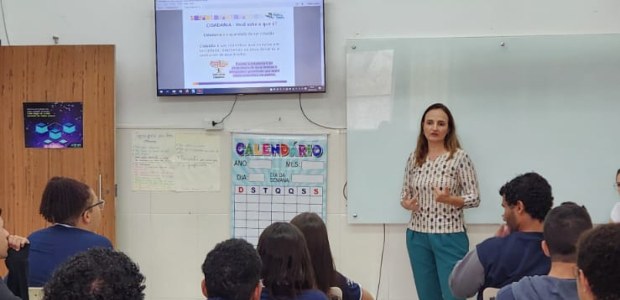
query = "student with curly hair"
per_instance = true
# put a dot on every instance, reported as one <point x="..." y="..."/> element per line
<point x="515" y="250"/>
<point x="598" y="264"/>
<point x="75" y="212"/>
<point x="287" y="270"/>
<point x="98" y="273"/>
<point x="232" y="271"/>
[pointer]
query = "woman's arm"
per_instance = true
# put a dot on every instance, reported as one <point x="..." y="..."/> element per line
<point x="442" y="195"/>
<point x="466" y="178"/>
<point x="468" y="181"/>
<point x="406" y="192"/>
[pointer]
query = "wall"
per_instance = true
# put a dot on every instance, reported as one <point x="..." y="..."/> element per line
<point x="169" y="233"/>
<point x="531" y="104"/>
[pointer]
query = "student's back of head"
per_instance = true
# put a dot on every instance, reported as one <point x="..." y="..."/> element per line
<point x="315" y="233"/>
<point x="287" y="268"/>
<point x="562" y="228"/>
<point x="64" y="200"/>
<point x="98" y="273"/>
<point x="77" y="212"/>
<point x="325" y="274"/>
<point x="532" y="190"/>
<point x="232" y="271"/>
<point x="598" y="260"/>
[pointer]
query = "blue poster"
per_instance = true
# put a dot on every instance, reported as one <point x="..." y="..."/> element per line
<point x="274" y="178"/>
<point x="53" y="125"/>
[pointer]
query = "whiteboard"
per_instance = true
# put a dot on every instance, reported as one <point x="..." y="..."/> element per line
<point x="549" y="104"/>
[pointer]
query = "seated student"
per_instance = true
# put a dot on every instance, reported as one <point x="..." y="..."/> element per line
<point x="232" y="272"/>
<point x="615" y="211"/>
<point x="287" y="270"/>
<point x="98" y="273"/>
<point x="8" y="242"/>
<point x="563" y="226"/>
<point x="598" y="263"/>
<point x="515" y="250"/>
<point x="75" y="212"/>
<point x="325" y="274"/>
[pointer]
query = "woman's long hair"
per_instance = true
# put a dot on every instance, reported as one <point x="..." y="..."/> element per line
<point x="287" y="268"/>
<point x="451" y="141"/>
<point x="315" y="232"/>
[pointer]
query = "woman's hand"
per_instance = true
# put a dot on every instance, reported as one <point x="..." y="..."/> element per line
<point x="16" y="242"/>
<point x="442" y="195"/>
<point x="410" y="203"/>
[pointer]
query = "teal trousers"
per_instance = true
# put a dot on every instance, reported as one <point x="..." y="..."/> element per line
<point x="432" y="257"/>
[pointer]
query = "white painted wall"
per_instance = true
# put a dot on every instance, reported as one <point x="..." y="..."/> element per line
<point x="169" y="233"/>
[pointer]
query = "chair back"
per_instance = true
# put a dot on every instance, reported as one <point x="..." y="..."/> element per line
<point x="334" y="293"/>
<point x="489" y="293"/>
<point x="35" y="293"/>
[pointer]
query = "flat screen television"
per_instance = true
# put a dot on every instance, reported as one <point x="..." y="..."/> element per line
<point x="216" y="47"/>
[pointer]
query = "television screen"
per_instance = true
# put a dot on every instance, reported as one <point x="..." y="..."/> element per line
<point x="214" y="47"/>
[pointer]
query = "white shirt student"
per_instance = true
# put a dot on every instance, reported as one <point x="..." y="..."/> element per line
<point x="615" y="212"/>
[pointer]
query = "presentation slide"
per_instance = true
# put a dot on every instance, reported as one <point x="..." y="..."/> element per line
<point x="247" y="47"/>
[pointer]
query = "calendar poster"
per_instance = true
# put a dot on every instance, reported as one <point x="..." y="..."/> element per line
<point x="276" y="177"/>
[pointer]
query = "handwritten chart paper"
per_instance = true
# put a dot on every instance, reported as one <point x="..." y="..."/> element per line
<point x="197" y="162"/>
<point x="171" y="161"/>
<point x="274" y="178"/>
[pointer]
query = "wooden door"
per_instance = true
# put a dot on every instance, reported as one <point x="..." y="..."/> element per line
<point x="55" y="74"/>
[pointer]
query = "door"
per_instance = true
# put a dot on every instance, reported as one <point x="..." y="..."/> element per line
<point x="55" y="74"/>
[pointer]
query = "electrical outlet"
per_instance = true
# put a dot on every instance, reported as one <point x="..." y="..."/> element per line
<point x="210" y="124"/>
<point x="217" y="126"/>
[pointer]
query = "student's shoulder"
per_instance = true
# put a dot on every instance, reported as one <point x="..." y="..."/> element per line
<point x="36" y="234"/>
<point x="508" y="291"/>
<point x="344" y="280"/>
<point x="91" y="239"/>
<point x="515" y="237"/>
<point x="495" y="245"/>
<point x="505" y="293"/>
<point x="5" y="292"/>
<point x="491" y="243"/>
<point x="312" y="295"/>
<point x="43" y="233"/>
<point x="350" y="289"/>
<point x="100" y="240"/>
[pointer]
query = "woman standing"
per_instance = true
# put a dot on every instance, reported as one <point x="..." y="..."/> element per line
<point x="440" y="181"/>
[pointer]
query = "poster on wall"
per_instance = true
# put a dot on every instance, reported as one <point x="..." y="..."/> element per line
<point x="274" y="178"/>
<point x="166" y="160"/>
<point x="53" y="125"/>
